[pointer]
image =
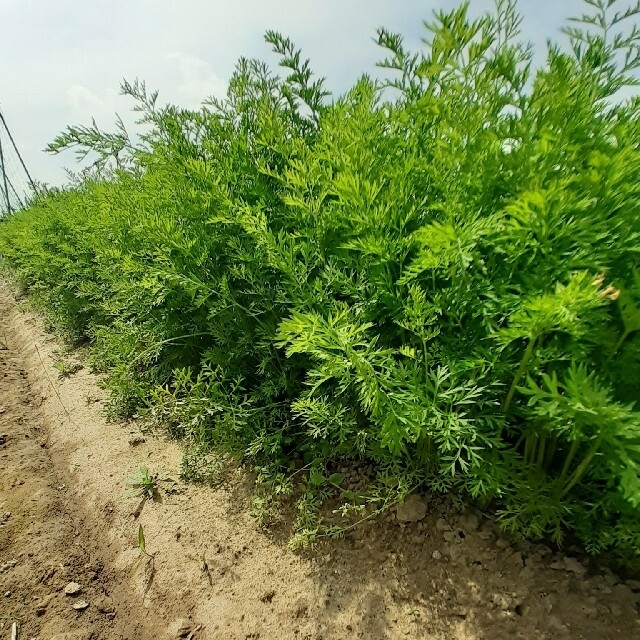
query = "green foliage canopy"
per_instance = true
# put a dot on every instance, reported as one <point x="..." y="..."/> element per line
<point x="437" y="272"/>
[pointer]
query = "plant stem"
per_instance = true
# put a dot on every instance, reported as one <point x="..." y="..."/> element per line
<point x="527" y="450"/>
<point x="551" y="450"/>
<point x="541" y="448"/>
<point x="620" y="342"/>
<point x="580" y="469"/>
<point x="567" y="463"/>
<point x="519" y="373"/>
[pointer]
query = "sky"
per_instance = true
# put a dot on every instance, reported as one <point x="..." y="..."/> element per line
<point x="62" y="61"/>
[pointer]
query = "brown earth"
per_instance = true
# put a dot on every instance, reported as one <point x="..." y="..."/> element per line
<point x="215" y="574"/>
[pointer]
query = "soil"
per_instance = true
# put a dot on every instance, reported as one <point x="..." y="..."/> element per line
<point x="429" y="572"/>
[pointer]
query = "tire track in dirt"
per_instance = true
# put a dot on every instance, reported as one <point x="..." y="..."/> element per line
<point x="45" y="542"/>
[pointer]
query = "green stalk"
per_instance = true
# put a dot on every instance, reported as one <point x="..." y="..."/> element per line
<point x="527" y="451"/>
<point x="426" y="357"/>
<point x="533" y="450"/>
<point x="541" y="448"/>
<point x="519" y="373"/>
<point x="567" y="463"/>
<point x="580" y="469"/>
<point x="520" y="440"/>
<point x="620" y="342"/>
<point x="551" y="450"/>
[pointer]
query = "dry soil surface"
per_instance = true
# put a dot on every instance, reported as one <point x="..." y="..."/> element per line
<point x="215" y="575"/>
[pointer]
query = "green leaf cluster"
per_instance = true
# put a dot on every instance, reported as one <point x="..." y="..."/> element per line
<point x="437" y="272"/>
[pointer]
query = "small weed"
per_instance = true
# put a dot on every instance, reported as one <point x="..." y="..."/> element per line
<point x="142" y="544"/>
<point x="150" y="566"/>
<point x="145" y="484"/>
<point x="66" y="369"/>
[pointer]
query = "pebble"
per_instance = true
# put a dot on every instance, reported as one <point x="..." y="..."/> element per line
<point x="449" y="536"/>
<point x="571" y="564"/>
<point x="80" y="605"/>
<point x="436" y="555"/>
<point x="8" y="565"/>
<point x="72" y="589"/>
<point x="485" y="533"/>
<point x="412" y="509"/>
<point x="441" y="525"/>
<point x="469" y="522"/>
<point x="42" y="604"/>
<point x="181" y="628"/>
<point x="634" y="585"/>
<point x="502" y="601"/>
<point x="105" y="605"/>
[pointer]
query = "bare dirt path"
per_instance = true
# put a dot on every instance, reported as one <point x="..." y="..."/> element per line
<point x="47" y="537"/>
<point x="64" y="517"/>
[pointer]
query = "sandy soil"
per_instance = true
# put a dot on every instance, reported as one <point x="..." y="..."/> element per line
<point x="215" y="574"/>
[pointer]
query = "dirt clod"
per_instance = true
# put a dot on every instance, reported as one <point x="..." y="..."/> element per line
<point x="571" y="564"/>
<point x="413" y="509"/>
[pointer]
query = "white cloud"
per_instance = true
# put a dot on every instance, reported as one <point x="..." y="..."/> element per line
<point x="197" y="79"/>
<point x="63" y="61"/>
<point x="83" y="100"/>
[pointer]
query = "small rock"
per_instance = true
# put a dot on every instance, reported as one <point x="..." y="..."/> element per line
<point x="555" y="624"/>
<point x="181" y="628"/>
<point x="3" y="438"/>
<point x="502" y="601"/>
<point x="8" y="565"/>
<point x="413" y="509"/>
<point x="469" y="521"/>
<point x="456" y="553"/>
<point x="485" y="533"/>
<point x="634" y="585"/>
<point x="7" y="594"/>
<point x="72" y="589"/>
<point x="515" y="558"/>
<point x="436" y="555"/>
<point x="449" y="536"/>
<point x="441" y="525"/>
<point x="134" y="441"/>
<point x="81" y="605"/>
<point x="301" y="609"/>
<point x="105" y="605"/>
<point x="571" y="564"/>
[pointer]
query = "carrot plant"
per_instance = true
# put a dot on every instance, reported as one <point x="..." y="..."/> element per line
<point x="437" y="272"/>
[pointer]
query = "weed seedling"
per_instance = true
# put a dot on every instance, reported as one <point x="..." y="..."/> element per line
<point x="66" y="369"/>
<point x="143" y="484"/>
<point x="150" y="567"/>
